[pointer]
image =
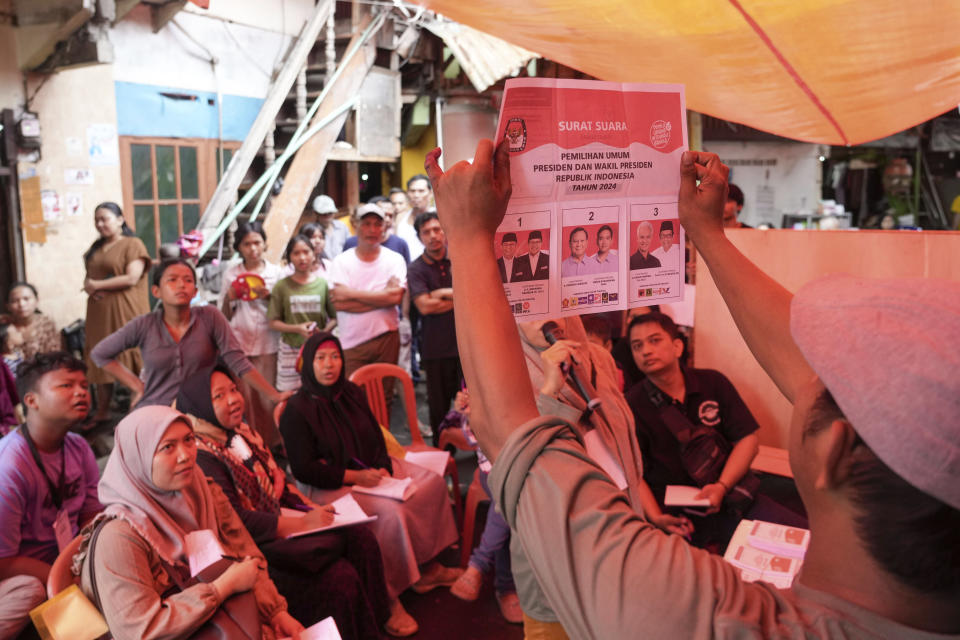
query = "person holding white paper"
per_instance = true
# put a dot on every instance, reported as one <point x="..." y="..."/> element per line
<point x="134" y="556"/>
<point x="335" y="573"/>
<point x="333" y="441"/>
<point x="873" y="452"/>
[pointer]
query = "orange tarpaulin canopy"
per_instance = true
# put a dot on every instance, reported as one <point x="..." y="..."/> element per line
<point x="828" y="71"/>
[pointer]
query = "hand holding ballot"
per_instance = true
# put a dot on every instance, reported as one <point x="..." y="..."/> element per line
<point x="698" y="208"/>
<point x="592" y="165"/>
<point x="475" y="195"/>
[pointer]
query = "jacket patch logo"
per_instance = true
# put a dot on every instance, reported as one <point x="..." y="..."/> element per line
<point x="709" y="413"/>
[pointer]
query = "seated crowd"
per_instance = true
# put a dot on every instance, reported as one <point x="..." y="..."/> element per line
<point x="202" y="450"/>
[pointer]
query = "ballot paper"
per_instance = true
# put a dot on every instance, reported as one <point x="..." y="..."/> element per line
<point x="435" y="461"/>
<point x="678" y="495"/>
<point x="768" y="564"/>
<point x="326" y="629"/>
<point x="779" y="539"/>
<point x="390" y="487"/>
<point x="592" y="223"/>
<point x="757" y="564"/>
<point x="202" y="549"/>
<point x="348" y="513"/>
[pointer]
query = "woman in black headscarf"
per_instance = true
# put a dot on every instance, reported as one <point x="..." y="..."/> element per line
<point x="333" y="442"/>
<point x="337" y="573"/>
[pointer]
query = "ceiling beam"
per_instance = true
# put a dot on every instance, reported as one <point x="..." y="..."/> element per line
<point x="161" y="15"/>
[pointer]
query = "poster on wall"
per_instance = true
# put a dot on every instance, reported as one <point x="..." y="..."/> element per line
<point x="50" y="202"/>
<point x="593" y="165"/>
<point x="73" y="203"/>
<point x="102" y="146"/>
<point x="78" y="176"/>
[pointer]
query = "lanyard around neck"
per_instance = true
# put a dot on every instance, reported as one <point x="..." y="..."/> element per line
<point x="56" y="492"/>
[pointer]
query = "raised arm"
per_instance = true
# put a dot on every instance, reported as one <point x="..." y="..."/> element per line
<point x="471" y="200"/>
<point x="759" y="305"/>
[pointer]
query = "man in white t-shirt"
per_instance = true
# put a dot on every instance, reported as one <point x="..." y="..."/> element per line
<point x="368" y="284"/>
<point x="668" y="253"/>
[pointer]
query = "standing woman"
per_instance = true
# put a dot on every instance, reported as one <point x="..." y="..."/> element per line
<point x="116" y="283"/>
<point x="248" y="319"/>
<point x="176" y="341"/>
<point x="38" y="331"/>
<point x="299" y="307"/>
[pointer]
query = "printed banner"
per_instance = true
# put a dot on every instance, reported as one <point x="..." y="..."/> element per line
<point x="592" y="222"/>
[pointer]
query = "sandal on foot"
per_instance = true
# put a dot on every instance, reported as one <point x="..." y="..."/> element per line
<point x="440" y="577"/>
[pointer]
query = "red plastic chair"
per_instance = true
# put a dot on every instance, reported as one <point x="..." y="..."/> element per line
<point x="475" y="497"/>
<point x="60" y="576"/>
<point x="371" y="377"/>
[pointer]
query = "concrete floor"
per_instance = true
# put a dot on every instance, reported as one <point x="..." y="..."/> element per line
<point x="442" y="616"/>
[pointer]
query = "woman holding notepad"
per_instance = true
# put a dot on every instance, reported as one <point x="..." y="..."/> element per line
<point x="336" y="573"/>
<point x="334" y="443"/>
<point x="138" y="558"/>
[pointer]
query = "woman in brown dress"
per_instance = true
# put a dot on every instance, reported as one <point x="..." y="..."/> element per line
<point x="117" y="263"/>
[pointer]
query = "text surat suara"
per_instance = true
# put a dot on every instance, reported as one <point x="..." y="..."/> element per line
<point x="591" y="224"/>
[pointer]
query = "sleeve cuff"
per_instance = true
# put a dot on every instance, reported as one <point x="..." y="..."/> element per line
<point x="518" y="455"/>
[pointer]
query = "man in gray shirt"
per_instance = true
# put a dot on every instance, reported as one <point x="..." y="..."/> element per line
<point x="875" y="455"/>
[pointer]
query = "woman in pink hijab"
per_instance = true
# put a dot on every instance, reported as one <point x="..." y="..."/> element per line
<point x="155" y="495"/>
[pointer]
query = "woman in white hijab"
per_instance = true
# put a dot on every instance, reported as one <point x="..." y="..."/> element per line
<point x="155" y="495"/>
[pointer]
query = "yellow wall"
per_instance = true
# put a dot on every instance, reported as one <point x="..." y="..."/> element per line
<point x="794" y="258"/>
<point x="67" y="104"/>
<point x="411" y="158"/>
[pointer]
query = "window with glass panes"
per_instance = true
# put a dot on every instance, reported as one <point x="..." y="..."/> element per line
<point x="167" y="182"/>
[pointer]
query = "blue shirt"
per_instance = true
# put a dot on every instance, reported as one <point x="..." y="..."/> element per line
<point x="393" y="243"/>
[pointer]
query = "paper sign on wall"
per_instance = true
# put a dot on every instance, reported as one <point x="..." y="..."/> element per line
<point x="50" y="201"/>
<point x="102" y="146"/>
<point x="73" y="203"/>
<point x="592" y="224"/>
<point x="78" y="176"/>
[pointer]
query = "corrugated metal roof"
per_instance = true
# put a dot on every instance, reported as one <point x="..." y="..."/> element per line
<point x="484" y="58"/>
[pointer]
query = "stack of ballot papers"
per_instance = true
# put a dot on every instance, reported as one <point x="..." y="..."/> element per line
<point x="766" y="551"/>
<point x="202" y="549"/>
<point x="346" y="513"/>
<point x="678" y="495"/>
<point x="435" y="461"/>
<point x="390" y="487"/>
<point x="326" y="629"/>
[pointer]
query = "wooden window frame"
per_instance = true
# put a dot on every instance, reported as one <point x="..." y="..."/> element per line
<point x="207" y="179"/>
